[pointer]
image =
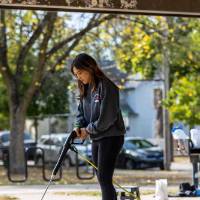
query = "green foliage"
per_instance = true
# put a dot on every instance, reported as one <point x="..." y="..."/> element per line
<point x="183" y="100"/>
<point x="136" y="43"/>
<point x="138" y="52"/>
<point x="140" y="48"/>
<point x="4" y="110"/>
<point x="52" y="94"/>
<point x="52" y="98"/>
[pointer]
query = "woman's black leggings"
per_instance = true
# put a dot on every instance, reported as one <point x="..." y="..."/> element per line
<point x="104" y="154"/>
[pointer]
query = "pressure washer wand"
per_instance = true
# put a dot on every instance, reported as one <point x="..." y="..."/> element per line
<point x="65" y="148"/>
<point x="49" y="183"/>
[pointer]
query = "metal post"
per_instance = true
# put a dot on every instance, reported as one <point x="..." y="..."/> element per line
<point x="195" y="174"/>
<point x="166" y="126"/>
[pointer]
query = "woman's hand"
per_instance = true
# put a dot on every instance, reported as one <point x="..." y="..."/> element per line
<point x="84" y="133"/>
<point x="81" y="133"/>
<point x="78" y="132"/>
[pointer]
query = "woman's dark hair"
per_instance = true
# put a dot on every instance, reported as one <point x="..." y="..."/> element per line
<point x="84" y="61"/>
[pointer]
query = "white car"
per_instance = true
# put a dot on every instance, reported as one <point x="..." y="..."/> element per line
<point x="52" y="144"/>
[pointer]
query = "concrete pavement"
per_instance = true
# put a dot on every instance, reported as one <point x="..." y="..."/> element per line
<point x="70" y="192"/>
<point x="55" y="192"/>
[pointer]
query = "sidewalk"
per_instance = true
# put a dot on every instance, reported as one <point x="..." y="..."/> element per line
<point x="70" y="192"/>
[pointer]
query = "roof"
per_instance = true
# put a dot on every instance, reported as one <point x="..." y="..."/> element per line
<point x="114" y="73"/>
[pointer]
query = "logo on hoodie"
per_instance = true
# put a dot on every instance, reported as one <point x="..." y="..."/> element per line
<point x="97" y="98"/>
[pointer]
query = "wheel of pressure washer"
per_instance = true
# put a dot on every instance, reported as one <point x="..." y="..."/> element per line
<point x="67" y="163"/>
<point x="130" y="164"/>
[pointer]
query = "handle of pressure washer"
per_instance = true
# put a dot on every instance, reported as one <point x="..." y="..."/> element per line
<point x="80" y="142"/>
<point x="74" y="139"/>
<point x="65" y="148"/>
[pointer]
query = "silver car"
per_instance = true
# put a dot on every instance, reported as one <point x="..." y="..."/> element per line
<point x="52" y="143"/>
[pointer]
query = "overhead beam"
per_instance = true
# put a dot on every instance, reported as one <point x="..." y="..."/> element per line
<point x="148" y="7"/>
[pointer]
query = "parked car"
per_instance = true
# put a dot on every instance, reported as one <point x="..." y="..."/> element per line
<point x="5" y="142"/>
<point x="52" y="144"/>
<point x="139" y="153"/>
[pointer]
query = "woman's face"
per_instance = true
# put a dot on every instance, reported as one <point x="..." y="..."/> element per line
<point x="82" y="75"/>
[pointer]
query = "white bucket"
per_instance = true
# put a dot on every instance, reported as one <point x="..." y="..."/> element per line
<point x="161" y="192"/>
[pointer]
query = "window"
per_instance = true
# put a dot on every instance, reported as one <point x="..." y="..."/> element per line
<point x="6" y="137"/>
<point x="129" y="145"/>
<point x="49" y="142"/>
<point x="141" y="144"/>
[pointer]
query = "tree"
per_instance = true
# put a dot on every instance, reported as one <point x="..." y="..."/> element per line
<point x="52" y="98"/>
<point x="183" y="98"/>
<point x="140" y="44"/>
<point x="32" y="45"/>
<point x="183" y="101"/>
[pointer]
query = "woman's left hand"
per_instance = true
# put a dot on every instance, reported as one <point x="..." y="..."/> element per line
<point x="84" y="134"/>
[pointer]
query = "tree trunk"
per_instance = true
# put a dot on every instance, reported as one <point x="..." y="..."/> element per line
<point x="35" y="124"/>
<point x="166" y="125"/>
<point x="16" y="150"/>
<point x="159" y="113"/>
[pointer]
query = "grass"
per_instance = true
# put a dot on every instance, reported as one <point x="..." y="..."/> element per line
<point x="138" y="177"/>
<point x="84" y="193"/>
<point x="123" y="177"/>
<point x="94" y="193"/>
<point x="171" y="191"/>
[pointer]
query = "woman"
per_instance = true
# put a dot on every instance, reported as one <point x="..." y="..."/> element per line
<point x="100" y="118"/>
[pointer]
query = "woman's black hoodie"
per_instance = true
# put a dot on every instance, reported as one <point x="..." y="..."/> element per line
<point x="99" y="112"/>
